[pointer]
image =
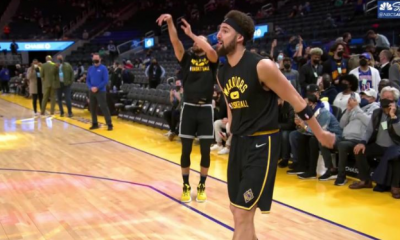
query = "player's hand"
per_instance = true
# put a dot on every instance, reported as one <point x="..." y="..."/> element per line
<point x="186" y="27"/>
<point x="94" y="89"/>
<point x="392" y="110"/>
<point x="359" y="148"/>
<point x="164" y="18"/>
<point x="327" y="139"/>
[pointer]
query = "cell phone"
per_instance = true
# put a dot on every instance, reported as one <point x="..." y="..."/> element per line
<point x="353" y="96"/>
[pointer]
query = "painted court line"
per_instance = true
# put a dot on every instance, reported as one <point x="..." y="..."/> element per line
<point x="217" y="179"/>
<point x="128" y="182"/>
<point x="81" y="143"/>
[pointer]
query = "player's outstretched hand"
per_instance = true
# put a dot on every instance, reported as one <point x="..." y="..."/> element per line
<point x="186" y="27"/>
<point x="163" y="18"/>
<point x="327" y="139"/>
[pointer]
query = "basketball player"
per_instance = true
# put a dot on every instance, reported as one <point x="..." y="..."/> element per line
<point x="199" y="67"/>
<point x="250" y="85"/>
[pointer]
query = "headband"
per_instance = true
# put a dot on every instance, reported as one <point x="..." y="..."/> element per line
<point x="236" y="26"/>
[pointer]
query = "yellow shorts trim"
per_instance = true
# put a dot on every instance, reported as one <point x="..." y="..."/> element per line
<point x="265" y="212"/>
<point x="265" y="133"/>
<point x="265" y="178"/>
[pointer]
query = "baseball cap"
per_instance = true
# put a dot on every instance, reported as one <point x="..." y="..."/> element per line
<point x="370" y="93"/>
<point x="312" y="88"/>
<point x="366" y="55"/>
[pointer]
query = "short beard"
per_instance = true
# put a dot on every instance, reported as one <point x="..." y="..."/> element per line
<point x="224" y="51"/>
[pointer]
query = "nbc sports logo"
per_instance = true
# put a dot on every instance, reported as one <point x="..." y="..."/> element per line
<point x="388" y="9"/>
<point x="385" y="6"/>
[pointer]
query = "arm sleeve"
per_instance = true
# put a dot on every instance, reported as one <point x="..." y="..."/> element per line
<point x="368" y="133"/>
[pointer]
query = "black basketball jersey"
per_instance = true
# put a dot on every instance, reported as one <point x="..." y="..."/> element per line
<point x="199" y="77"/>
<point x="253" y="108"/>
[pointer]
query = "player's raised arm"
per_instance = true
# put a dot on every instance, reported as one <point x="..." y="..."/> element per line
<point x="272" y="78"/>
<point x="173" y="35"/>
<point x="201" y="42"/>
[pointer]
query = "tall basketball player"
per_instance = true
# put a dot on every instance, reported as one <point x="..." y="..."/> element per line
<point x="251" y="86"/>
<point x="199" y="66"/>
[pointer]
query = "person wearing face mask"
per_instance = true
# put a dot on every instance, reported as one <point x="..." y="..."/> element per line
<point x="354" y="123"/>
<point x="327" y="89"/>
<point x="349" y="84"/>
<point x="66" y="76"/>
<point x="381" y="139"/>
<point x="310" y="72"/>
<point x="368" y="77"/>
<point x="307" y="146"/>
<point x="51" y="83"/>
<point x="347" y="40"/>
<point x="336" y="66"/>
<point x="97" y="80"/>
<point x="291" y="74"/>
<point x="35" y="84"/>
<point x="154" y="72"/>
<point x="172" y="116"/>
<point x="368" y="101"/>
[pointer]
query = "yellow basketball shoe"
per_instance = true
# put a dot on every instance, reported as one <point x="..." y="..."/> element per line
<point x="186" y="194"/>
<point x="201" y="193"/>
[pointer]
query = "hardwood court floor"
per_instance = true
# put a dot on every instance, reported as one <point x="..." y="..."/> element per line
<point x="59" y="181"/>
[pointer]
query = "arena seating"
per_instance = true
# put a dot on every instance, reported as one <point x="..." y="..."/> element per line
<point x="80" y="95"/>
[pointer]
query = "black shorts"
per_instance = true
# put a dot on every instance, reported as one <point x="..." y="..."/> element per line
<point x="197" y="121"/>
<point x="251" y="170"/>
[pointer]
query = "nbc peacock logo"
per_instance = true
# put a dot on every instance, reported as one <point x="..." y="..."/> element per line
<point x="385" y="6"/>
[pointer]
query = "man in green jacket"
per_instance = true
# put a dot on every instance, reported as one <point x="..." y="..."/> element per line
<point x="51" y="83"/>
<point x="66" y="76"/>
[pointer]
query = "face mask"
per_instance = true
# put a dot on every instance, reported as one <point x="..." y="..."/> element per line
<point x="363" y="62"/>
<point x="312" y="98"/>
<point x="364" y="102"/>
<point x="385" y="103"/>
<point x="340" y="54"/>
<point x="287" y="66"/>
<point x="96" y="61"/>
<point x="280" y="58"/>
<point x="316" y="61"/>
<point x="344" y="86"/>
<point x="297" y="48"/>
<point x="178" y="88"/>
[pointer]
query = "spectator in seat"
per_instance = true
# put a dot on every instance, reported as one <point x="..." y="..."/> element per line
<point x="291" y="74"/>
<point x="378" y="40"/>
<point x="383" y="132"/>
<point x="394" y="71"/>
<point x="368" y="77"/>
<point x="287" y="125"/>
<point x="336" y="65"/>
<point x="310" y="72"/>
<point x="354" y="123"/>
<point x="349" y="84"/>
<point x="306" y="145"/>
<point x="116" y="75"/>
<point x="384" y="59"/>
<point x="347" y="40"/>
<point x="154" y="72"/>
<point x="173" y="116"/>
<point x="327" y="89"/>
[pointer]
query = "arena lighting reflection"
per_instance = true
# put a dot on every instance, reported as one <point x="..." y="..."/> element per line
<point x="8" y="137"/>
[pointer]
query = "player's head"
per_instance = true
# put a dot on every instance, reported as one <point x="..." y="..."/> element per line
<point x="196" y="49"/>
<point x="237" y="28"/>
